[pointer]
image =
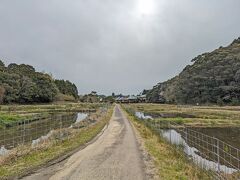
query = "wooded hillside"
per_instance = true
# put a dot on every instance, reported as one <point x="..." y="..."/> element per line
<point x="22" y="84"/>
<point x="212" y="78"/>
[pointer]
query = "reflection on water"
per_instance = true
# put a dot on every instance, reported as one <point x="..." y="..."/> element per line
<point x="33" y="131"/>
<point x="230" y="135"/>
<point x="41" y="139"/>
<point x="81" y="116"/>
<point x="176" y="138"/>
<point x="205" y="146"/>
<point x="3" y="151"/>
<point x="141" y="115"/>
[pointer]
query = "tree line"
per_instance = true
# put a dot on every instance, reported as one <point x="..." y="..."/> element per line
<point x="22" y="84"/>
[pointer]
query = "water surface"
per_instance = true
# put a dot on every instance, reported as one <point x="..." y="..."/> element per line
<point x="201" y="156"/>
<point x="11" y="137"/>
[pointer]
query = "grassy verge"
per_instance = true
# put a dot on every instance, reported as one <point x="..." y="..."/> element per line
<point x="33" y="159"/>
<point x="170" y="163"/>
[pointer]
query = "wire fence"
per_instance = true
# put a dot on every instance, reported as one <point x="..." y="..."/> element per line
<point x="34" y="132"/>
<point x="216" y="157"/>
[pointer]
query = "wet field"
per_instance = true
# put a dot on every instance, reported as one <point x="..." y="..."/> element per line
<point x="214" y="148"/>
<point x="27" y="131"/>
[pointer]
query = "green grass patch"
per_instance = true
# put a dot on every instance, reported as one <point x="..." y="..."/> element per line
<point x="9" y="117"/>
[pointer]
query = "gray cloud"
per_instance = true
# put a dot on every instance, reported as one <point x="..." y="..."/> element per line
<point x="113" y="46"/>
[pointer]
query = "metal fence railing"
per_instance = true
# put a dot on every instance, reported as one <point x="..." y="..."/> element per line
<point x="33" y="132"/>
<point x="219" y="158"/>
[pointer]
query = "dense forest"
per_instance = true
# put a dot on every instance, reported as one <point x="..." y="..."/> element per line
<point x="213" y="78"/>
<point x="22" y="84"/>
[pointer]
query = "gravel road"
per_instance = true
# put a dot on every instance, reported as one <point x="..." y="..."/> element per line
<point x="114" y="155"/>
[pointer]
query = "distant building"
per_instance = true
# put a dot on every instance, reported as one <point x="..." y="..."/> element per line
<point x="131" y="99"/>
<point x="121" y="99"/>
<point x="142" y="98"/>
<point x="93" y="93"/>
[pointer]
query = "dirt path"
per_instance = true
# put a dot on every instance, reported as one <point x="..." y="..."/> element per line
<point x="114" y="155"/>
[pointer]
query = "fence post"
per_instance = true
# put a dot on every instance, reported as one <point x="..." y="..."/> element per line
<point x="238" y="157"/>
<point x="24" y="131"/>
<point x="218" y="155"/>
<point x="13" y="142"/>
<point x="170" y="132"/>
<point x="61" y="131"/>
<point x="186" y="132"/>
<point x="4" y="135"/>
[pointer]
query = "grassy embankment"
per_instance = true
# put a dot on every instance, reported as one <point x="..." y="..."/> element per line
<point x="170" y="162"/>
<point x="35" y="157"/>
<point x="207" y="116"/>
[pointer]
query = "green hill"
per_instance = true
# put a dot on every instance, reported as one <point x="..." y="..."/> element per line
<point x="22" y="84"/>
<point x="212" y="78"/>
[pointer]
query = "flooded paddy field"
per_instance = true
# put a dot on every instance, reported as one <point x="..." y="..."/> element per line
<point x="230" y="135"/>
<point x="18" y="109"/>
<point x="26" y="132"/>
<point x="205" y="151"/>
<point x="210" y="137"/>
<point x="205" y="116"/>
<point x="29" y="124"/>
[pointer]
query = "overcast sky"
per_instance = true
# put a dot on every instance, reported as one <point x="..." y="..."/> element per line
<point x="114" y="45"/>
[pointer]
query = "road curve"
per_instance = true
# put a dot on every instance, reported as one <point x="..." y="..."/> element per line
<point x="114" y="155"/>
